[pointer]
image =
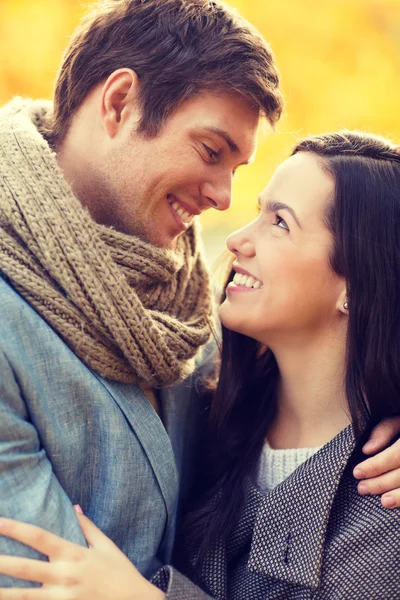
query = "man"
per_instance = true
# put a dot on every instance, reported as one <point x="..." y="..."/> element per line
<point x="104" y="294"/>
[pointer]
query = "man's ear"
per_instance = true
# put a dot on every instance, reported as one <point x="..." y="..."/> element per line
<point x="119" y="100"/>
<point x="342" y="304"/>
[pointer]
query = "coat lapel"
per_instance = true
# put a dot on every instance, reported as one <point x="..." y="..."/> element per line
<point x="150" y="432"/>
<point x="289" y="534"/>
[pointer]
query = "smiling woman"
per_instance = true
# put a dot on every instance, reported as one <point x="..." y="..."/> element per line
<point x="287" y="248"/>
<point x="303" y="380"/>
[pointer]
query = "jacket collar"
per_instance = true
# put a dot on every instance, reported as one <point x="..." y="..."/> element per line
<point x="289" y="534"/>
<point x="149" y="430"/>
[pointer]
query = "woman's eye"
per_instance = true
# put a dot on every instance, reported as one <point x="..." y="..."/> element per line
<point x="281" y="223"/>
<point x="211" y="153"/>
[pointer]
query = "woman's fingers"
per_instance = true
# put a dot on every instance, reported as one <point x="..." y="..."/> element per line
<point x="40" y="540"/>
<point x="382" y="435"/>
<point x="385" y="461"/>
<point x="28" y="569"/>
<point x="93" y="535"/>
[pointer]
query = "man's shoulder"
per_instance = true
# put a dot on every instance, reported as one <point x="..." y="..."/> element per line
<point x="26" y="339"/>
<point x="16" y="313"/>
<point x="12" y="304"/>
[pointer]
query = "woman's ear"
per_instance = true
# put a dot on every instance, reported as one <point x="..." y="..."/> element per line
<point x="119" y="100"/>
<point x="342" y="304"/>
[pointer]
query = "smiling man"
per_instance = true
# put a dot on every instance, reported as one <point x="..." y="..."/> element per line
<point x="153" y="187"/>
<point x="104" y="294"/>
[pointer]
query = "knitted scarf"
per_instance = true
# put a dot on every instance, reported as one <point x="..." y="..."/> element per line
<point x="132" y="312"/>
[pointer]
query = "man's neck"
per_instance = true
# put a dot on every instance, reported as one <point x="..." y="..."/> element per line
<point x="152" y="398"/>
<point x="75" y="159"/>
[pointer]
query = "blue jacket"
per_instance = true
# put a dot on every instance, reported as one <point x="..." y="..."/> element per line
<point x="68" y="436"/>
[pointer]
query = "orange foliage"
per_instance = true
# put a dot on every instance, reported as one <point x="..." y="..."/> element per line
<point x="339" y="60"/>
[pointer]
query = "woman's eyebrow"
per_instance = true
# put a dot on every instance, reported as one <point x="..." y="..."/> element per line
<point x="274" y="206"/>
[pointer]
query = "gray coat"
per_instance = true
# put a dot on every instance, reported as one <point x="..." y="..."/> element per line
<point x="312" y="537"/>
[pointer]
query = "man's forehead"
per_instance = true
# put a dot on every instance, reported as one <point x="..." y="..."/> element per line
<point x="225" y="111"/>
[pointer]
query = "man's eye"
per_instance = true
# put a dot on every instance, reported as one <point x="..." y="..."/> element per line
<point x="211" y="153"/>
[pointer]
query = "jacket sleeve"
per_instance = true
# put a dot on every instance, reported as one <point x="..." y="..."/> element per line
<point x="176" y="586"/>
<point x="29" y="490"/>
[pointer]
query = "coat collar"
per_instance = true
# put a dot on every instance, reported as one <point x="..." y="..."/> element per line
<point x="289" y="534"/>
<point x="149" y="430"/>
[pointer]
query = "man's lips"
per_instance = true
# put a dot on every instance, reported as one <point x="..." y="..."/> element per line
<point x="183" y="213"/>
<point x="192" y="210"/>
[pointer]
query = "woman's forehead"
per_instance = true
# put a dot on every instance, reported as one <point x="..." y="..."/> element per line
<point x="301" y="183"/>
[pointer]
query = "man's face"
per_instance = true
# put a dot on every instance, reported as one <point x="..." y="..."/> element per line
<point x="154" y="187"/>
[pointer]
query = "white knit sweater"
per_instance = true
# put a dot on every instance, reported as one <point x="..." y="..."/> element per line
<point x="276" y="465"/>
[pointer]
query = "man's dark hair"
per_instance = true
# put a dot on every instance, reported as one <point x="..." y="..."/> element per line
<point x="178" y="49"/>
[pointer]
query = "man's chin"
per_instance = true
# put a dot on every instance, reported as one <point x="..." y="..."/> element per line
<point x="160" y="240"/>
<point x="168" y="242"/>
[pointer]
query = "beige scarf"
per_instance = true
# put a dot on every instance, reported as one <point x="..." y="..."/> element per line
<point x="131" y="311"/>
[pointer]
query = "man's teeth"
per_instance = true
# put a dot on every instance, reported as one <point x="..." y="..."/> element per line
<point x="247" y="281"/>
<point x="185" y="216"/>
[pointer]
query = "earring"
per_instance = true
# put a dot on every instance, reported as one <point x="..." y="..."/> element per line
<point x="346" y="306"/>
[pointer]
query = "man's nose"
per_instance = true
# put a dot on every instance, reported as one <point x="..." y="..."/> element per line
<point x="218" y="194"/>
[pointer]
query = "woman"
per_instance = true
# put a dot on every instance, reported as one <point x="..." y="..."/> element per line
<point x="310" y="364"/>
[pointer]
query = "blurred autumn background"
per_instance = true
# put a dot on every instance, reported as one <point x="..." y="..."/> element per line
<point x="339" y="61"/>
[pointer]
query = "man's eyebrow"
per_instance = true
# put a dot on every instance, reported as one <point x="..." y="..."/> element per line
<point x="274" y="206"/>
<point x="234" y="148"/>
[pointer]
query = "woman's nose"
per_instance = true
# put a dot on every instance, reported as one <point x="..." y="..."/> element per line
<point x="240" y="242"/>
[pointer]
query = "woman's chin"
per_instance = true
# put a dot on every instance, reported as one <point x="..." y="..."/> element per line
<point x="230" y="318"/>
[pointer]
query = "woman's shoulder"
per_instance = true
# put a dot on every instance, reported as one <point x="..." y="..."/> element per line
<point x="362" y="546"/>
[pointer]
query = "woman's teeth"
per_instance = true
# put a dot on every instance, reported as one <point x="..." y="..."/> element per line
<point x="185" y="216"/>
<point x="247" y="281"/>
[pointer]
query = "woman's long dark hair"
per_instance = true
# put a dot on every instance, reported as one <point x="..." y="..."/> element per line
<point x="364" y="219"/>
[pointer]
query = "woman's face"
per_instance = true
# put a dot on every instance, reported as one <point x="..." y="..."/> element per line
<point x="285" y="254"/>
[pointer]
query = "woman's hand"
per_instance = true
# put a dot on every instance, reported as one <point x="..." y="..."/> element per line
<point x="100" y="572"/>
<point x="381" y="474"/>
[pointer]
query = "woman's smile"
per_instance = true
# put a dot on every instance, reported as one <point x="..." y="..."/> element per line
<point x="244" y="281"/>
